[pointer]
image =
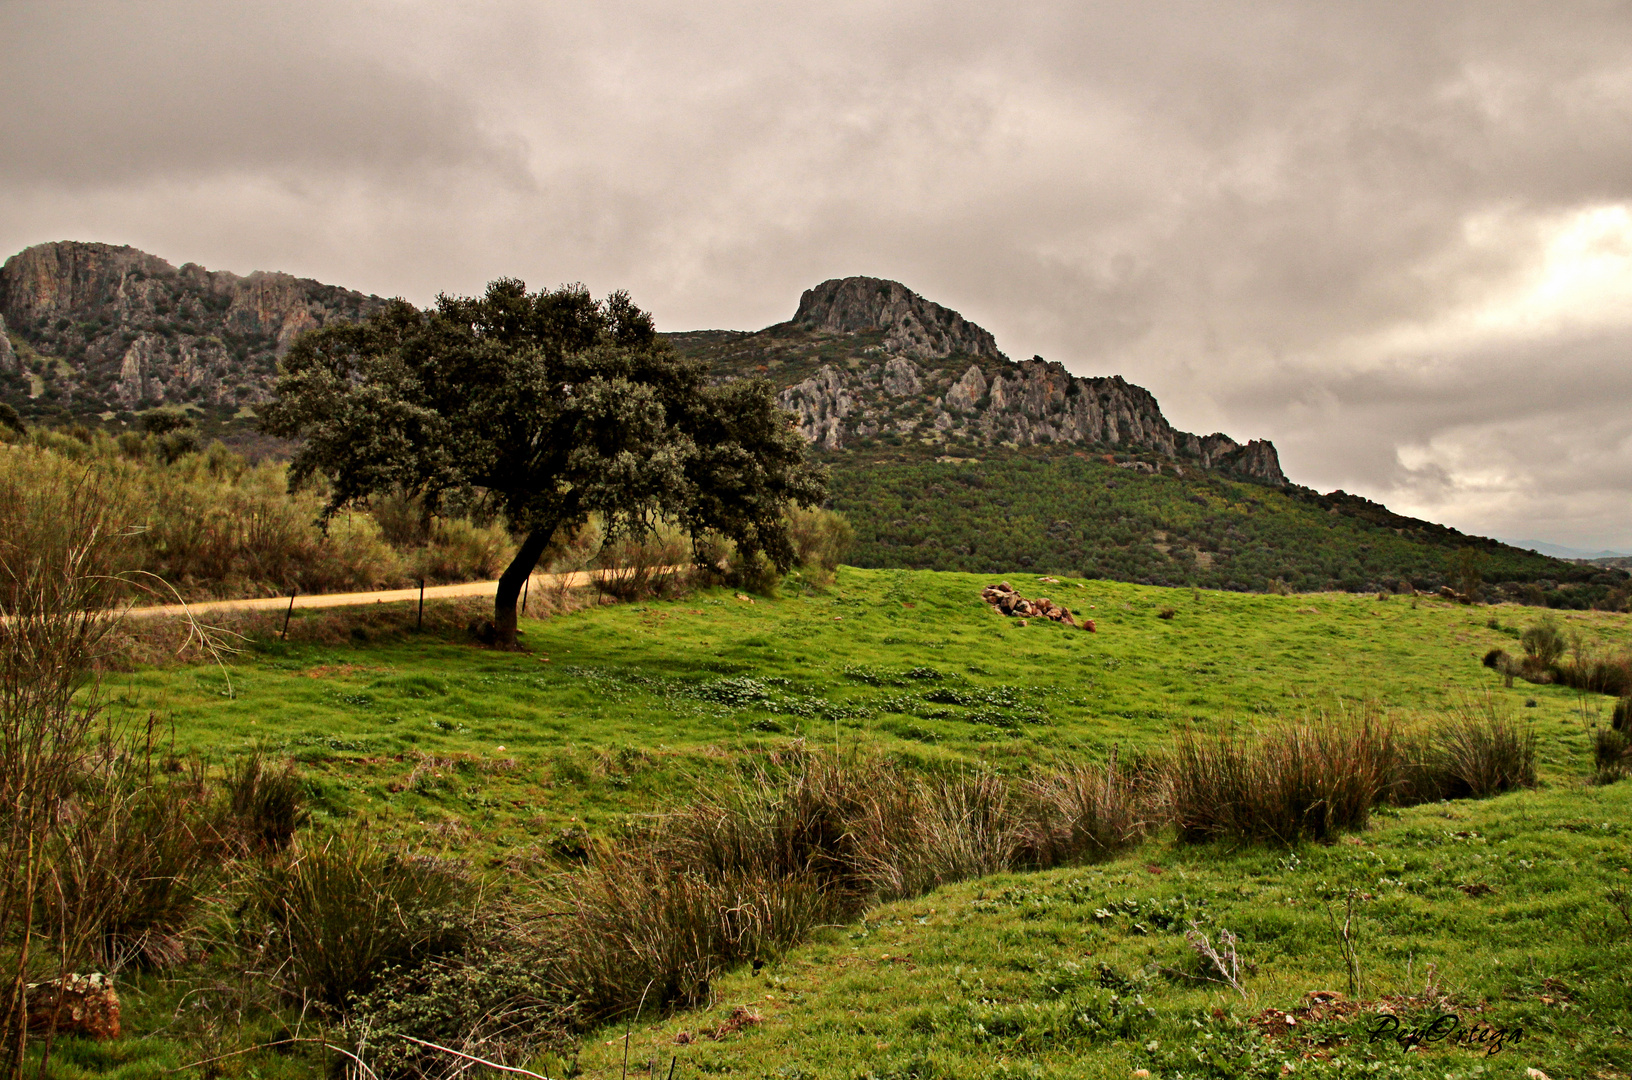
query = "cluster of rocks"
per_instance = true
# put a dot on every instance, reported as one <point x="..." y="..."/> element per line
<point x="74" y="1005"/>
<point x="1003" y="597"/>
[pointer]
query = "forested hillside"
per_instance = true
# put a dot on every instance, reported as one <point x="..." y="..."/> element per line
<point x="1067" y="514"/>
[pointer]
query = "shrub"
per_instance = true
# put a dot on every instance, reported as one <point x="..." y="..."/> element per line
<point x="1086" y="812"/>
<point x="1306" y="780"/>
<point x="495" y="1000"/>
<point x="135" y="862"/>
<point x="461" y="550"/>
<point x="748" y="870"/>
<point x="1475" y="752"/>
<point x="335" y="919"/>
<point x="1597" y="673"/>
<point x="820" y="540"/>
<point x="1544" y="643"/>
<point x="1611" y="753"/>
<point x="263" y="806"/>
<point x="639" y="567"/>
<point x="639" y="927"/>
<point x="1621" y="718"/>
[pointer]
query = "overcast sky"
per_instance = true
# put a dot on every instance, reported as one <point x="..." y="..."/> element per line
<point x="1395" y="238"/>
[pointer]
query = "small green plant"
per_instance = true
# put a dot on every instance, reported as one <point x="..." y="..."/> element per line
<point x="1544" y="643"/>
<point x="1611" y="753"/>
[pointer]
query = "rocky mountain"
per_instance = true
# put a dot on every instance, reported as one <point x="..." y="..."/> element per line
<point x="93" y="328"/>
<point x="865" y="362"/>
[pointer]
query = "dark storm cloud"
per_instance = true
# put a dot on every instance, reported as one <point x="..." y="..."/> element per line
<point x="1318" y="223"/>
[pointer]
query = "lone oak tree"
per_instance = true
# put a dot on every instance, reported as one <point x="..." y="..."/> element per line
<point x="557" y="405"/>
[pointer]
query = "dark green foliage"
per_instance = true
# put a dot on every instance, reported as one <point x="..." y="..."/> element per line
<point x="492" y="1000"/>
<point x="557" y="406"/>
<point x="164" y="421"/>
<point x="11" y="420"/>
<point x="1611" y="753"/>
<point x="1072" y="514"/>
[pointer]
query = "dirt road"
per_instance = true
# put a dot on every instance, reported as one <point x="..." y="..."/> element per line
<point x="387" y="596"/>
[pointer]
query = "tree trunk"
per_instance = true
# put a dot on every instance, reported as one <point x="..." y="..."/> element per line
<point x="510" y="582"/>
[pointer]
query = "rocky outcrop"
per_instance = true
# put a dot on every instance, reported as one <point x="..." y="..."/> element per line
<point x="912" y="326"/>
<point x="1032" y="403"/>
<point x="867" y="359"/>
<point x="133" y="331"/>
<point x="9" y="364"/>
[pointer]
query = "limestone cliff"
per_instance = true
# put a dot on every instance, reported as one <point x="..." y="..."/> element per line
<point x="912" y="326"/>
<point x="865" y="361"/>
<point x="116" y="328"/>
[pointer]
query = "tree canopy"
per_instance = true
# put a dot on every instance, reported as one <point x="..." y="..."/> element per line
<point x="558" y="406"/>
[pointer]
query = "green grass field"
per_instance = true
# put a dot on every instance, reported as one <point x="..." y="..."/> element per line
<point x="1507" y="904"/>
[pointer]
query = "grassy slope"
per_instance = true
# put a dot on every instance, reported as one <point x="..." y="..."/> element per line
<point x="636" y="702"/>
<point x="985" y="978"/>
<point x="614" y="706"/>
<point x="1075" y="514"/>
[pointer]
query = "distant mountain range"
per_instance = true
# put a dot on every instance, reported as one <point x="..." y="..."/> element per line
<point x="945" y="453"/>
<point x="1559" y="551"/>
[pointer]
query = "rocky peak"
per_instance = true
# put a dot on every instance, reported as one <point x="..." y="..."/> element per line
<point x="128" y="330"/>
<point x="920" y="374"/>
<point x="912" y="326"/>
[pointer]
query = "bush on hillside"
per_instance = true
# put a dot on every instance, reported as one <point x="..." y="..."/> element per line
<point x="820" y="538"/>
<point x="208" y="524"/>
<point x="1475" y="752"/>
<point x="1301" y="781"/>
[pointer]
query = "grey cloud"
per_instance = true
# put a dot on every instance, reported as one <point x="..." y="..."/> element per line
<point x="122" y="93"/>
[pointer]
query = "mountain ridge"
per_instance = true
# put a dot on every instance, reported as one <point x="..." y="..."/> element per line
<point x="95" y="329"/>
<point x="867" y="359"/>
<point x="113" y="328"/>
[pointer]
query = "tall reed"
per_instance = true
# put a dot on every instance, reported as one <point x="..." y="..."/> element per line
<point x="59" y="587"/>
<point x="1306" y="780"/>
